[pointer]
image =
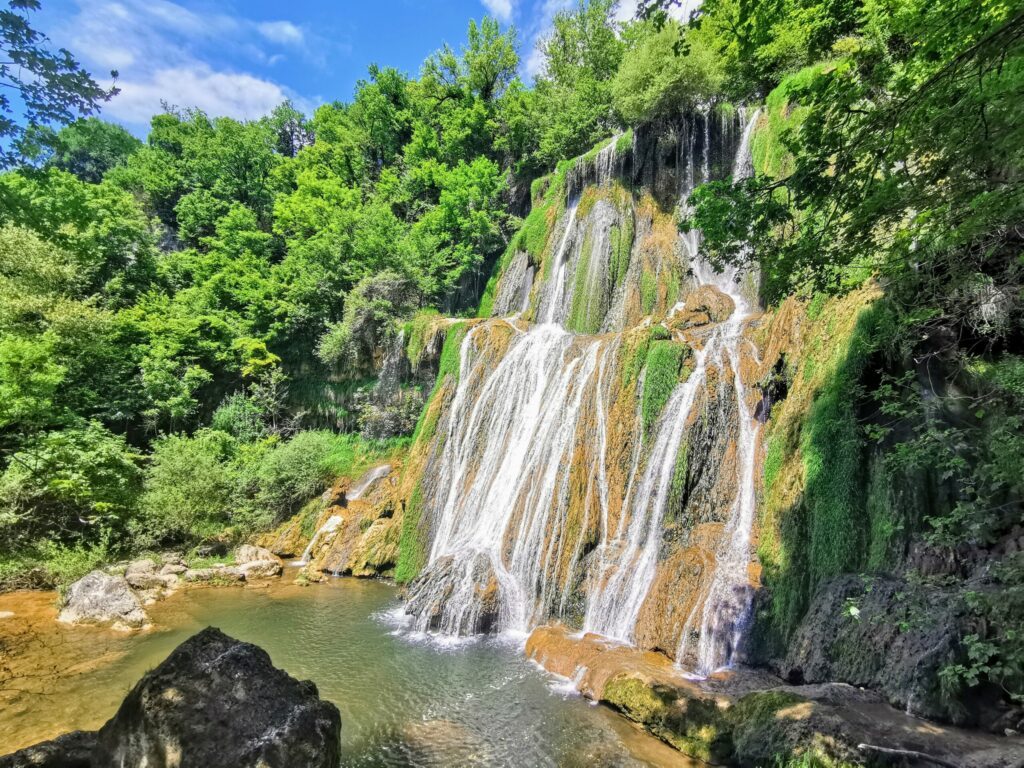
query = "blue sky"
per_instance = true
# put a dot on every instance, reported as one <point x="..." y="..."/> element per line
<point x="242" y="58"/>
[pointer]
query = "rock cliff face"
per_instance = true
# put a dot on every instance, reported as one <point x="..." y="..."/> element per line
<point x="214" y="702"/>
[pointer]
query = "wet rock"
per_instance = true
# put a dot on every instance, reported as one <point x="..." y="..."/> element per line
<point x="217" y="702"/>
<point x="749" y="717"/>
<point x="247" y="553"/>
<point x="883" y="634"/>
<point x="100" y="598"/>
<point x="71" y="750"/>
<point x="456" y="597"/>
<point x="260" y="569"/>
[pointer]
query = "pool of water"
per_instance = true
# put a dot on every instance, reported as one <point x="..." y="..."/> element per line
<point x="405" y="700"/>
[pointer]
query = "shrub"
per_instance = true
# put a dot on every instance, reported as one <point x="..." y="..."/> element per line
<point x="190" y="487"/>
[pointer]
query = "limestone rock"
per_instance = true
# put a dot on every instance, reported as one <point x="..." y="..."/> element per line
<point x="260" y="569"/>
<point x="143" y="574"/>
<point x="100" y="598"/>
<point x="247" y="553"/>
<point x="217" y="702"/>
<point x="173" y="569"/>
<point x="223" y="573"/>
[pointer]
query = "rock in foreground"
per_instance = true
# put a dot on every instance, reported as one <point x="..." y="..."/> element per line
<point x="100" y="598"/>
<point x="215" y="702"/>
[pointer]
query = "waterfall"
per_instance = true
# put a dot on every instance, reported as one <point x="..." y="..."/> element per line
<point x="725" y="608"/>
<point x="501" y="478"/>
<point x="523" y="524"/>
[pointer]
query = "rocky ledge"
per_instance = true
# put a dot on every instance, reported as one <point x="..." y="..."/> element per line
<point x="116" y="597"/>
<point x="215" y="702"/>
<point x="752" y="718"/>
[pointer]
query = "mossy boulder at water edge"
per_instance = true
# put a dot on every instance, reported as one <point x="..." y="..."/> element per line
<point x="215" y="702"/>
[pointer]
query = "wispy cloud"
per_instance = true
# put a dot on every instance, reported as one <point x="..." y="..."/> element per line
<point x="283" y="32"/>
<point x="500" y="9"/>
<point x="166" y="52"/>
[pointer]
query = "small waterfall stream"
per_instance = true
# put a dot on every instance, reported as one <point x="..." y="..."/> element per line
<point x="508" y="546"/>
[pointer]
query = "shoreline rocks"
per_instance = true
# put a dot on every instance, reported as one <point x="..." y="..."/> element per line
<point x="214" y="702"/>
<point x="752" y="718"/>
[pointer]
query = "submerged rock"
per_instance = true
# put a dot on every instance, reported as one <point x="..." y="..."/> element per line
<point x="100" y="598"/>
<point x="215" y="702"/>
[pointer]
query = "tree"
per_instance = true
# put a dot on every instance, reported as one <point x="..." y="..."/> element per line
<point x="90" y="147"/>
<point x="49" y="87"/>
<point x="581" y="56"/>
<point x="656" y="78"/>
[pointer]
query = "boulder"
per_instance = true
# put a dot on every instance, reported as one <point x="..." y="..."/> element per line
<point x="71" y="750"/>
<point x="223" y="573"/>
<point x="247" y="553"/>
<point x="173" y="569"/>
<point x="143" y="574"/>
<point x="260" y="569"/>
<point x="217" y="702"/>
<point x="100" y="598"/>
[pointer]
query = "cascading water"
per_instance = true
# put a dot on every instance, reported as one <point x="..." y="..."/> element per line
<point x="334" y="521"/>
<point x="726" y="603"/>
<point x="509" y="547"/>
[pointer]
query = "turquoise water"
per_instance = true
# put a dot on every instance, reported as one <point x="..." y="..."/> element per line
<point x="405" y="700"/>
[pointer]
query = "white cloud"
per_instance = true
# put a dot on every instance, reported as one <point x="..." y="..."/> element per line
<point x="500" y="9"/>
<point x="165" y="51"/>
<point x="229" y="94"/>
<point x="283" y="32"/>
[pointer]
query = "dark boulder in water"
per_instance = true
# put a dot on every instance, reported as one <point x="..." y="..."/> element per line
<point x="215" y="702"/>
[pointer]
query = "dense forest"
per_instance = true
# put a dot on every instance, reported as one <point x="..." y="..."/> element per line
<point x="193" y="328"/>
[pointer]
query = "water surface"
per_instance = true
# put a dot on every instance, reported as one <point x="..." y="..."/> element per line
<point x="405" y="700"/>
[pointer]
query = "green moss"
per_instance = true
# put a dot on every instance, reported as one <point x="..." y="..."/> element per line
<point x="587" y="308"/>
<point x="416" y="331"/>
<point x="648" y="291"/>
<point x="694" y="726"/>
<point x="622" y="246"/>
<point x="412" y="546"/>
<point x="662" y="366"/>
<point x="448" y="366"/>
<point x="625" y="142"/>
<point x="779" y="116"/>
<point x="310" y="513"/>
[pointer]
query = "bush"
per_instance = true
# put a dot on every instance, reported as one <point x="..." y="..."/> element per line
<point x="65" y="485"/>
<point x="191" y="487"/>
<point x="657" y="78"/>
<point x="285" y="477"/>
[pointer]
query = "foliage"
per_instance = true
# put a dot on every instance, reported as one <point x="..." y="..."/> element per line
<point x="89" y="147"/>
<point x="50" y="86"/>
<point x="655" y="80"/>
